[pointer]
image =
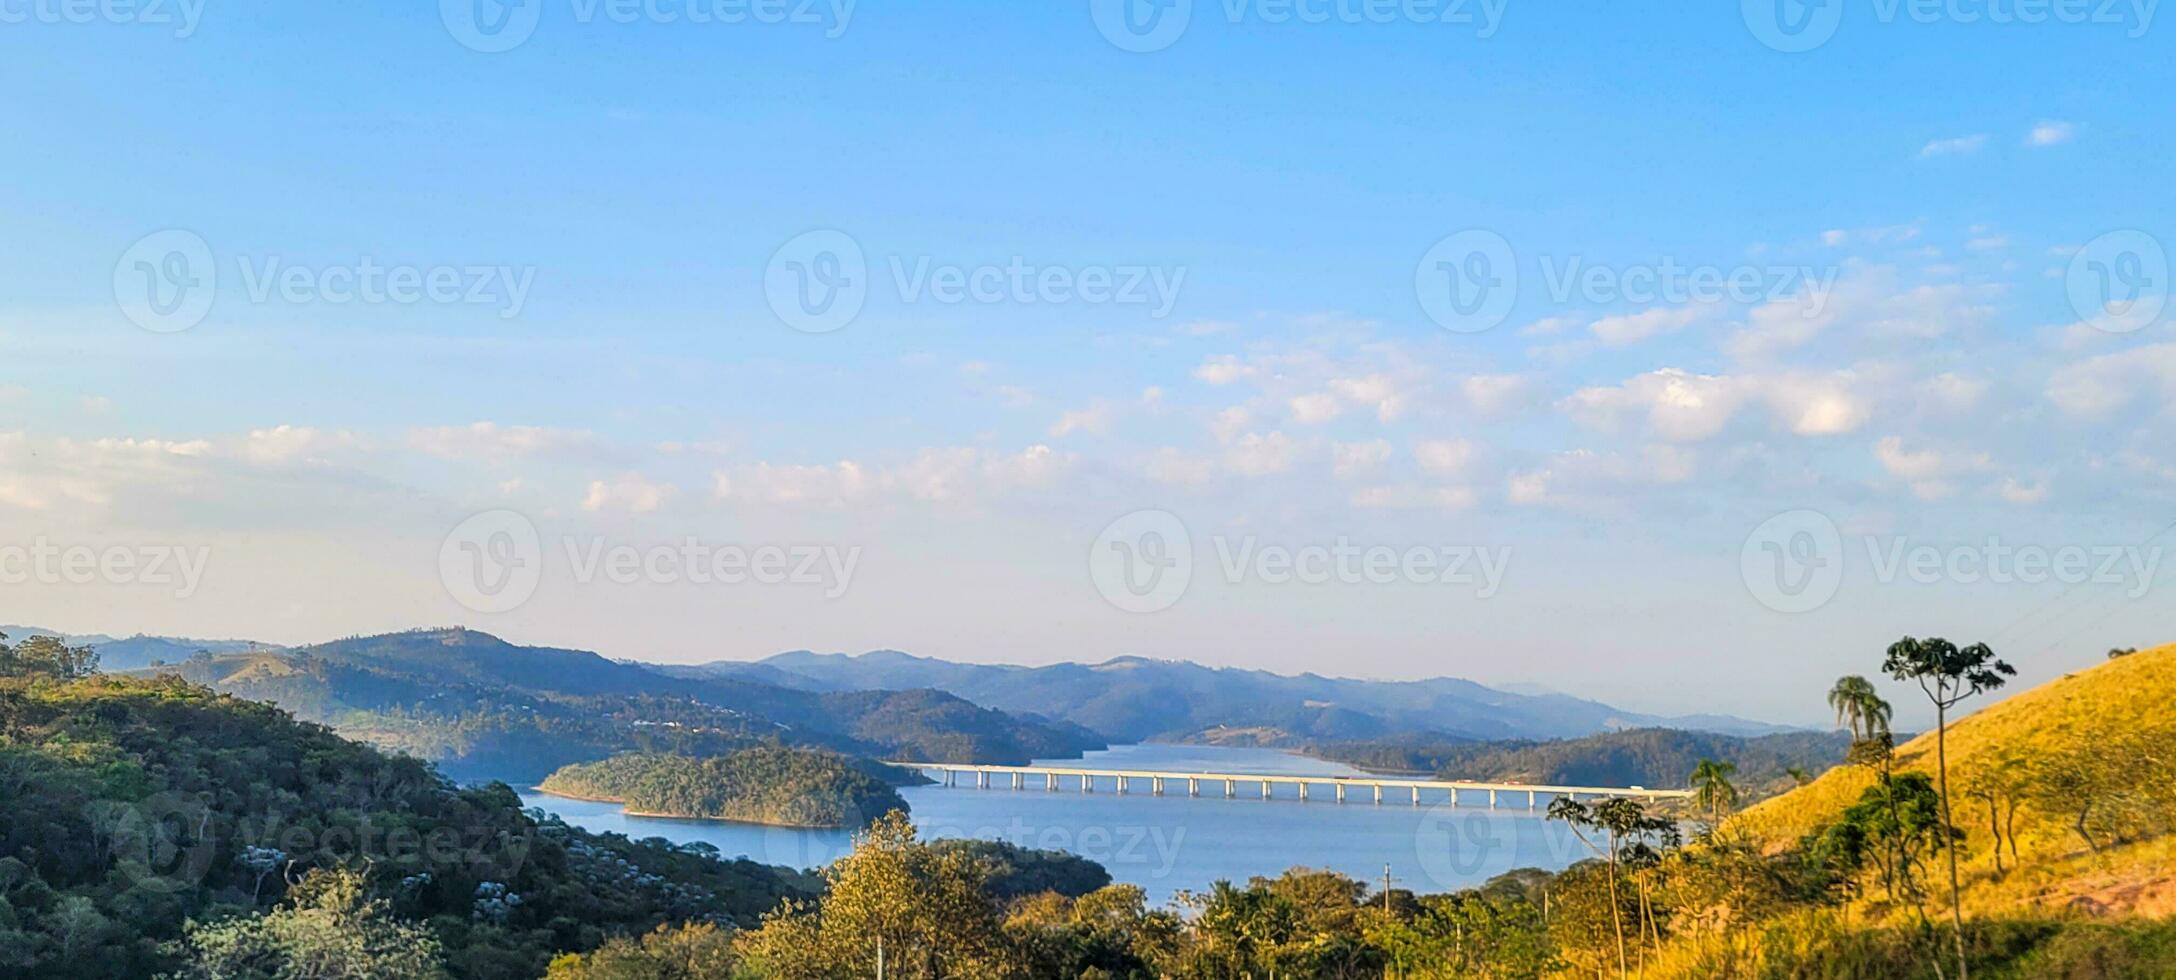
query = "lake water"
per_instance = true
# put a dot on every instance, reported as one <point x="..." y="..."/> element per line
<point x="1173" y="842"/>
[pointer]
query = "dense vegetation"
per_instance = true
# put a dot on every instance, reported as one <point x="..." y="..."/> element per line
<point x="1656" y="757"/>
<point x="484" y="708"/>
<point x="762" y="784"/>
<point x="155" y="826"/>
<point x="133" y="807"/>
<point x="1133" y="699"/>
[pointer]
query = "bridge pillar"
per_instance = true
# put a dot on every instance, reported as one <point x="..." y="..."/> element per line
<point x="1050" y="782"/>
<point x="1454" y="797"/>
<point x="1341" y="792"/>
<point x="1087" y="783"/>
<point x="1019" y="779"/>
<point x="982" y="780"/>
<point x="1492" y="799"/>
<point x="1416" y="795"/>
<point x="1265" y="789"/>
<point x="1303" y="791"/>
<point x="1533" y="800"/>
<point x="1121" y="785"/>
<point x="1156" y="786"/>
<point x="1378" y="794"/>
<point x="1193" y="786"/>
<point x="949" y="777"/>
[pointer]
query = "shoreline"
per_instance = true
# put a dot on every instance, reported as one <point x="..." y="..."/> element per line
<point x="646" y="815"/>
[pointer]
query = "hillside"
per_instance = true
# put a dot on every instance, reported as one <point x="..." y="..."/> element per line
<point x="138" y="651"/>
<point x="483" y="707"/>
<point x="1135" y="699"/>
<point x="766" y="784"/>
<point x="2094" y="737"/>
<point x="134" y="805"/>
<point x="1654" y="757"/>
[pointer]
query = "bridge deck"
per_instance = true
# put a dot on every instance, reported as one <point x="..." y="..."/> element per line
<point x="1053" y="772"/>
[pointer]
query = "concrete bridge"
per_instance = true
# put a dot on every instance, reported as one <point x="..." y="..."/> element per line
<point x="1053" y="778"/>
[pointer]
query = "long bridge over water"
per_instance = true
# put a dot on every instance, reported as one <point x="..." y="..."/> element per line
<point x="1053" y="778"/>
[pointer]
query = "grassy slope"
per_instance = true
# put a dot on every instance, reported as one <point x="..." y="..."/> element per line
<point x="2138" y="689"/>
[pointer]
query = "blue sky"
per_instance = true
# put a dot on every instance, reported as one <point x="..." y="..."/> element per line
<point x="1943" y="390"/>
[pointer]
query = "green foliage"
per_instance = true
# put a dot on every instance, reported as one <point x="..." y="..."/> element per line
<point x="47" y="657"/>
<point x="329" y="929"/>
<point x="133" y="807"/>
<point x="694" y="951"/>
<point x="765" y="784"/>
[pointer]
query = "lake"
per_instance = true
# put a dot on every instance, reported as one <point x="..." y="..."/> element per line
<point x="1168" y="843"/>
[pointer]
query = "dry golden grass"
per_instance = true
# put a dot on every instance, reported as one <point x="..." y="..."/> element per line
<point x="2137" y="691"/>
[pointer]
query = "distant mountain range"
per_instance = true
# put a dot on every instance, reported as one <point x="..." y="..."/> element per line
<point x="1132" y="699"/>
<point x="139" y="651"/>
<point x="482" y="707"/>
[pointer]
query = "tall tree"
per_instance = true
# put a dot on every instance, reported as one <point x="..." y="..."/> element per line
<point x="1715" y="793"/>
<point x="1948" y="675"/>
<point x="1859" y="707"/>
<point x="1626" y="830"/>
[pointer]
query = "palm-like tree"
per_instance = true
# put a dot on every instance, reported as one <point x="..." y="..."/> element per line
<point x="1715" y="792"/>
<point x="1859" y="707"/>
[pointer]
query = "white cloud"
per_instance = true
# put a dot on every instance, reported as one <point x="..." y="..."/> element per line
<point x="1223" y="370"/>
<point x="1490" y="394"/>
<point x="2050" y="133"/>
<point x="1928" y="471"/>
<point x="1229" y="423"/>
<point x="1169" y="465"/>
<point x="628" y="492"/>
<point x="490" y="440"/>
<point x="1954" y="145"/>
<point x="1094" y="419"/>
<point x="1316" y="408"/>
<point x="1257" y="454"/>
<point x="1443" y="457"/>
<point x="1626" y="329"/>
<point x="1351" y="459"/>
<point x="1377" y="390"/>
<point x="1676" y="405"/>
<point x="2098" y="386"/>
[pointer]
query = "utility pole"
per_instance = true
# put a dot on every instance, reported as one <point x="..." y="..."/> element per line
<point x="1386" y="886"/>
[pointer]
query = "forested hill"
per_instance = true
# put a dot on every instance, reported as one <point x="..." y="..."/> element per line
<point x="132" y="806"/>
<point x="483" y="707"/>
<point x="764" y="784"/>
<point x="1137" y="699"/>
<point x="1653" y="757"/>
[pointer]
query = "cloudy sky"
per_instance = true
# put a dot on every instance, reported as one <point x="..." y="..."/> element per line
<point x="1614" y="350"/>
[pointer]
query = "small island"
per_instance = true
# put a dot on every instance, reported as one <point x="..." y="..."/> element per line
<point x="784" y="787"/>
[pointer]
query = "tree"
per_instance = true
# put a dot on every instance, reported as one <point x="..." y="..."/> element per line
<point x="332" y="929"/>
<point x="46" y="656"/>
<point x="1626" y="830"/>
<point x="1715" y="793"/>
<point x="896" y="908"/>
<point x="2115" y="653"/>
<point x="695" y="951"/>
<point x="1947" y="675"/>
<point x="1859" y="707"/>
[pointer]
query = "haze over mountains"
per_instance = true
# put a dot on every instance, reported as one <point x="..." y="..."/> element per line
<point x="1131" y="699"/>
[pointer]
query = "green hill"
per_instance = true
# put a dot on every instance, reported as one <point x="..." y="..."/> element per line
<point x="1653" y="757"/>
<point x="132" y="806"/>
<point x="765" y="784"/>
<point x="485" y="708"/>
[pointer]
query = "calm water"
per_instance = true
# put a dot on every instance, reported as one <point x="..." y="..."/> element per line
<point x="1173" y="842"/>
